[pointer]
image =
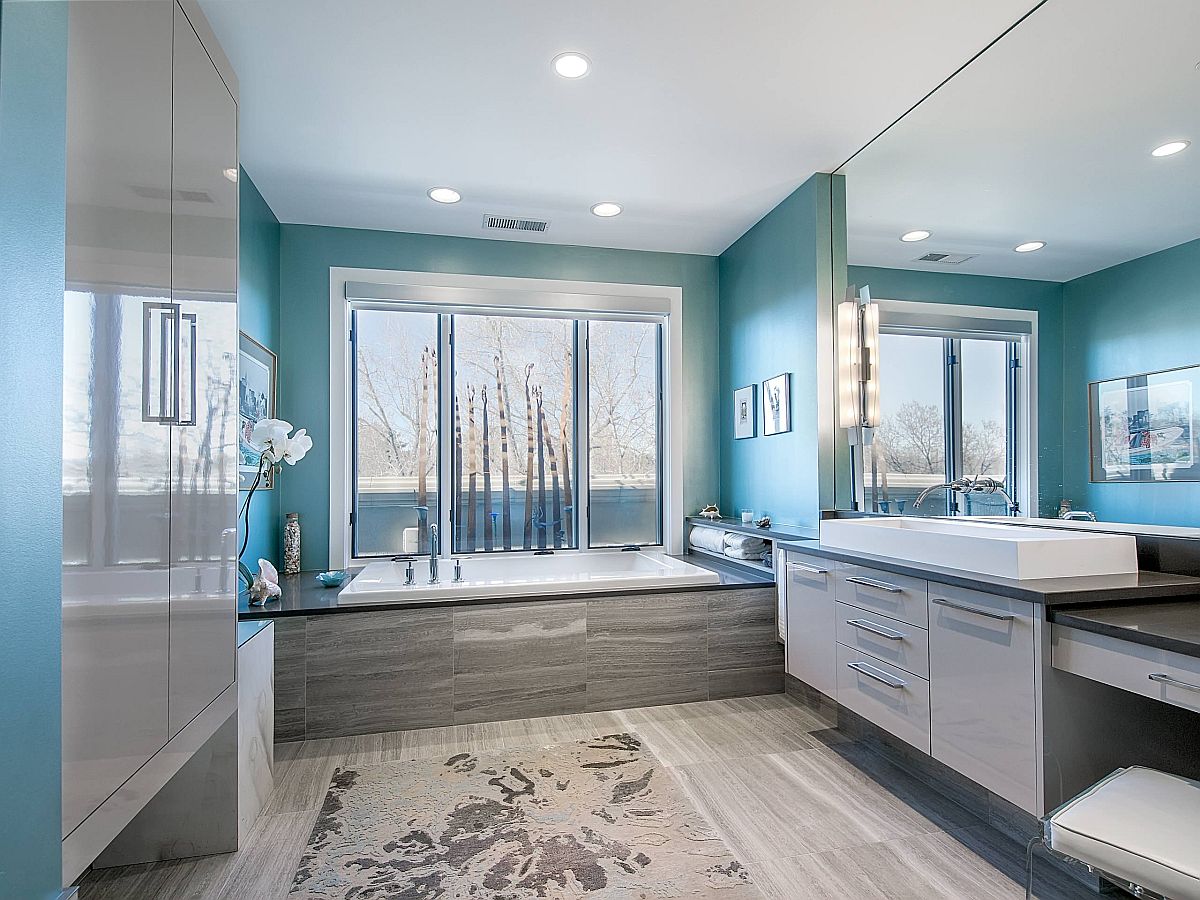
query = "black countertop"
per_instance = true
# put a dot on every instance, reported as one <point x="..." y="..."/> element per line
<point x="303" y="595"/>
<point x="1086" y="589"/>
<point x="1167" y="626"/>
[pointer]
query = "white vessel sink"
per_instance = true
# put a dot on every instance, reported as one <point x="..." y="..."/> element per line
<point x="1008" y="551"/>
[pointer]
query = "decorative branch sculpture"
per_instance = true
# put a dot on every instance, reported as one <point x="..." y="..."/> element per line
<point x="502" y="411"/>
<point x="489" y="538"/>
<point x="469" y="543"/>
<point x="565" y="443"/>
<point x="541" y="464"/>
<point x="458" y="471"/>
<point x="555" y="522"/>
<point x="422" y="449"/>
<point x="529" y="438"/>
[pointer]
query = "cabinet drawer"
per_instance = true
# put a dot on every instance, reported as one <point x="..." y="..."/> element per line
<point x="896" y="596"/>
<point x="895" y="700"/>
<point x="808" y="571"/>
<point x="1159" y="674"/>
<point x="890" y="640"/>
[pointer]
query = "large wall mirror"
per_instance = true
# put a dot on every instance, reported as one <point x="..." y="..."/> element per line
<point x="1030" y="236"/>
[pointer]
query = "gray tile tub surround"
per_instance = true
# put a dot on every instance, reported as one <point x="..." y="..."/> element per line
<point x="372" y="671"/>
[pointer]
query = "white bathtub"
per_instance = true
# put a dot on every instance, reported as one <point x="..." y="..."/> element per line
<point x="525" y="576"/>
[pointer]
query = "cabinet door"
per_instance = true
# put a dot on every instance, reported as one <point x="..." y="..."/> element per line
<point x="117" y="381"/>
<point x="810" y="651"/>
<point x="982" y="673"/>
<point x="204" y="284"/>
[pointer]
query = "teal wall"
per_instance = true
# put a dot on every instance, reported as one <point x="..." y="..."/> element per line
<point x="33" y="85"/>
<point x="1046" y="297"/>
<point x="1137" y="317"/>
<point x="773" y="281"/>
<point x="308" y="252"/>
<point x="258" y="316"/>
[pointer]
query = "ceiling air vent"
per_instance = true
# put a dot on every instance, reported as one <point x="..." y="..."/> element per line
<point x="511" y="223"/>
<point x="946" y="259"/>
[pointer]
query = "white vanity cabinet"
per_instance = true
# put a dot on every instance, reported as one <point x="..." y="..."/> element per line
<point x="983" y="667"/>
<point x="806" y="586"/>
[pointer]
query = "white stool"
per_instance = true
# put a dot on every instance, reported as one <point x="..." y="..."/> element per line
<point x="1138" y="827"/>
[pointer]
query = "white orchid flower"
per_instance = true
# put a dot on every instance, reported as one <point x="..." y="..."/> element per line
<point x="298" y="445"/>
<point x="274" y="438"/>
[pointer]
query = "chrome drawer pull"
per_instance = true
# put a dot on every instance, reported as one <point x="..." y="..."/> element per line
<point x="803" y="568"/>
<point x="876" y="629"/>
<point x="1000" y="617"/>
<point x="881" y="677"/>
<point x="1174" y="682"/>
<point x="871" y="582"/>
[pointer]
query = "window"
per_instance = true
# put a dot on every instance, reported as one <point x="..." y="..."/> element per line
<point x="550" y="432"/>
<point x="513" y="433"/>
<point x="396" y="434"/>
<point x="949" y="406"/>
<point x="624" y="385"/>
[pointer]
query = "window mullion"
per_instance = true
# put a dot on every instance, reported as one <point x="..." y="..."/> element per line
<point x="582" y="474"/>
<point x="953" y="418"/>
<point x="1012" y="406"/>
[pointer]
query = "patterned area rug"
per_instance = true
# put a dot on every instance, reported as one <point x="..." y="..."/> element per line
<point x="589" y="819"/>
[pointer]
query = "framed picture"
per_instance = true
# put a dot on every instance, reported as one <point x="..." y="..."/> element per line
<point x="745" y="413"/>
<point x="1143" y="427"/>
<point x="257" y="371"/>
<point x="777" y="404"/>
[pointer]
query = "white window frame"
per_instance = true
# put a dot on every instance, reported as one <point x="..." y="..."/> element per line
<point x="444" y="293"/>
<point x="947" y="317"/>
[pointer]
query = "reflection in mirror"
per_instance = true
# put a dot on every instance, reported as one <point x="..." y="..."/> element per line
<point x="1036" y="258"/>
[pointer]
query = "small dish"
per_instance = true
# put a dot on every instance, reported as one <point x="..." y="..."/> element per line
<point x="333" y="579"/>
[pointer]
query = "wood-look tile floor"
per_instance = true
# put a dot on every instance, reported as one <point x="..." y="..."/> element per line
<point x="811" y="813"/>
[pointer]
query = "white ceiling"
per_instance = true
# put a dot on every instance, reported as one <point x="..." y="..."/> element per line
<point x="1045" y="137"/>
<point x="698" y="117"/>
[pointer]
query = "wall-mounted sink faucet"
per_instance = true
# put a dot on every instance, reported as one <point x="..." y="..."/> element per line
<point x="984" y="484"/>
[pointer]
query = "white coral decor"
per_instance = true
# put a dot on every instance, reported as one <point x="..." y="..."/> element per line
<point x="278" y="444"/>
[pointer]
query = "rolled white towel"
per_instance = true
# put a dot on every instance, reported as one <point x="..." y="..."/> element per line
<point x="736" y="553"/>
<point x="711" y="539"/>
<point x="736" y="541"/>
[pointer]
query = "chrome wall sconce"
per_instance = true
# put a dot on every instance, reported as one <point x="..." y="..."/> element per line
<point x="858" y="365"/>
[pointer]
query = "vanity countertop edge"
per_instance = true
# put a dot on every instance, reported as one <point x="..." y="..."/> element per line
<point x="1050" y="592"/>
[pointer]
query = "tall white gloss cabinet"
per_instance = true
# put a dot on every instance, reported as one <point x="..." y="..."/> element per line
<point x="150" y="417"/>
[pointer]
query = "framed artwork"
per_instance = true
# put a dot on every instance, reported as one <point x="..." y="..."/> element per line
<point x="777" y="404"/>
<point x="745" y="413"/>
<point x="1143" y="427"/>
<point x="257" y="371"/>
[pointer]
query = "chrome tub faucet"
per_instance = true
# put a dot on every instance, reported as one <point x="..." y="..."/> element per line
<point x="433" y="554"/>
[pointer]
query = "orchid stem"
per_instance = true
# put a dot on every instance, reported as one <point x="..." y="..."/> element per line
<point x="245" y="513"/>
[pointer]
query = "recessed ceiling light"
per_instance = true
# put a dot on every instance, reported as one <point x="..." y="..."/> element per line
<point x="1029" y="246"/>
<point x="571" y="65"/>
<point x="444" y="195"/>
<point x="1170" y="148"/>
<point x="919" y="235"/>
<point x="231" y="174"/>
<point x="606" y="210"/>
